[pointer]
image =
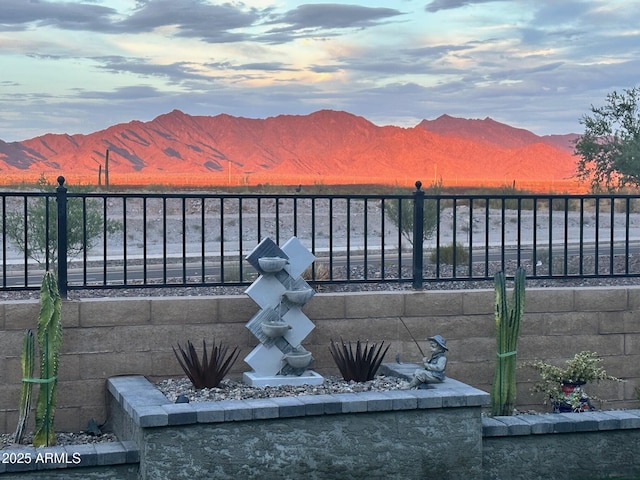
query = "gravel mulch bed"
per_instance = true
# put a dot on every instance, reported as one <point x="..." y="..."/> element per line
<point x="62" y="438"/>
<point x="231" y="390"/>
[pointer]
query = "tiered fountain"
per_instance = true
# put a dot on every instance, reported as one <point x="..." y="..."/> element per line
<point x="280" y="325"/>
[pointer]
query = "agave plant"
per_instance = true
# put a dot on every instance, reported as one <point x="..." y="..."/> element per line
<point x="209" y="372"/>
<point x="359" y="365"/>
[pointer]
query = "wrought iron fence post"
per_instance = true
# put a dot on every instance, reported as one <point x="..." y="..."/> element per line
<point x="61" y="198"/>
<point x="418" y="234"/>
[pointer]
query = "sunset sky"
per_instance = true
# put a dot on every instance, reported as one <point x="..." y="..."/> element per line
<point x="79" y="66"/>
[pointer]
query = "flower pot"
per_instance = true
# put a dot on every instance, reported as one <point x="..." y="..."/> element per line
<point x="569" y="387"/>
<point x="561" y="407"/>
<point x="575" y="400"/>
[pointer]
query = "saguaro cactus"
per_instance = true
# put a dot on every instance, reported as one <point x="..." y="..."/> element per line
<point x="507" y="317"/>
<point x="49" y="341"/>
<point x="27" y="360"/>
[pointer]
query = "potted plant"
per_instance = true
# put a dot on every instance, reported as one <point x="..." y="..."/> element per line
<point x="563" y="386"/>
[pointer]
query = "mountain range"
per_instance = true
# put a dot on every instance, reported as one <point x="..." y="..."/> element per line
<point x="324" y="147"/>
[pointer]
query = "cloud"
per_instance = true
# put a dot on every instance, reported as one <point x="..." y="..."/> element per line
<point x="124" y="93"/>
<point x="334" y="15"/>
<point x="264" y="67"/>
<point x="200" y="19"/>
<point x="20" y="14"/>
<point x="193" y="18"/>
<point x="323" y="19"/>
<point x="437" y="5"/>
<point x="176" y="72"/>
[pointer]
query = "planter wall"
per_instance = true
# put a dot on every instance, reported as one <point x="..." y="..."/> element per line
<point x="108" y="337"/>
<point x="588" y="445"/>
<point x="397" y="434"/>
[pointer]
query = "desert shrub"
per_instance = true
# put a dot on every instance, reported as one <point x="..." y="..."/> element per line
<point x="317" y="271"/>
<point x="447" y="252"/>
<point x="85" y="225"/>
<point x="400" y="212"/>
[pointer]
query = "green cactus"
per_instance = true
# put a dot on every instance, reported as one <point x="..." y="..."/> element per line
<point x="49" y="341"/>
<point x="27" y="360"/>
<point x="507" y="317"/>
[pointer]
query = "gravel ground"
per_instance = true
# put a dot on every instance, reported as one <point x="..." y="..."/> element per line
<point x="62" y="438"/>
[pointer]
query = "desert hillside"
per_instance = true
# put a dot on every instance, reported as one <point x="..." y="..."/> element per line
<point x="324" y="147"/>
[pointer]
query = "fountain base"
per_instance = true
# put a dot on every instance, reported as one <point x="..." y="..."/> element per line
<point x="309" y="377"/>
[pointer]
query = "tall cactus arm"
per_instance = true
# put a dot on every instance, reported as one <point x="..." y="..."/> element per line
<point x="49" y="341"/>
<point x="27" y="361"/>
<point x="516" y="309"/>
<point x="507" y="317"/>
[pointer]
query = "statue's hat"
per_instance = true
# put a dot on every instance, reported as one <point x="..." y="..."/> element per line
<point x="439" y="340"/>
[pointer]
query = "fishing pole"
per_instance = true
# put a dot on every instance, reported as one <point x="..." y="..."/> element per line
<point x="412" y="337"/>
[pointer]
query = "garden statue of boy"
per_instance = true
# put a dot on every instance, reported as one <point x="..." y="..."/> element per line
<point x="434" y="366"/>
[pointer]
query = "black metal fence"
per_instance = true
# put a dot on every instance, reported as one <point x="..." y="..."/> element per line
<point x="157" y="240"/>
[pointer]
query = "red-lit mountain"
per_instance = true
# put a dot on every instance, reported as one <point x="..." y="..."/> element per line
<point x="325" y="147"/>
<point x="490" y="132"/>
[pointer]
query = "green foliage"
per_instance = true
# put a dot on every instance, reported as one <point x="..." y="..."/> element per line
<point x="400" y="212"/>
<point x="584" y="367"/>
<point x="507" y="317"/>
<point x="359" y="365"/>
<point x="610" y="146"/>
<point x="27" y="361"/>
<point x="85" y="224"/>
<point x="446" y="254"/>
<point x="208" y="372"/>
<point x="49" y="342"/>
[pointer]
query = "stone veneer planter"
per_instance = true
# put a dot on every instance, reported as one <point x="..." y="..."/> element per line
<point x="395" y="434"/>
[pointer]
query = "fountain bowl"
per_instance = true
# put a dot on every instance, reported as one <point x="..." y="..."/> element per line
<point x="298" y="359"/>
<point x="272" y="264"/>
<point x="275" y="329"/>
<point x="299" y="297"/>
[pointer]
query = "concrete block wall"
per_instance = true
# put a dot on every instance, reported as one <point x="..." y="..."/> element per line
<point x="109" y="337"/>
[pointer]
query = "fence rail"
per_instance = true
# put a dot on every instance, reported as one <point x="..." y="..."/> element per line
<point x="156" y="240"/>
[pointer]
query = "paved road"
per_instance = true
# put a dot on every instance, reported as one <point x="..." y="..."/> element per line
<point x="174" y="270"/>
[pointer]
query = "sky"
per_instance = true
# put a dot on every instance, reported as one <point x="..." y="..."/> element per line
<point x="80" y="66"/>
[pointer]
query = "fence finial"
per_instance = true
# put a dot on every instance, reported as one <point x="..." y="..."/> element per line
<point x="418" y="185"/>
